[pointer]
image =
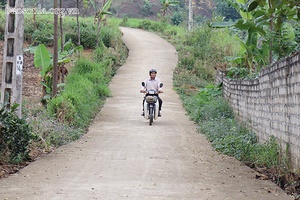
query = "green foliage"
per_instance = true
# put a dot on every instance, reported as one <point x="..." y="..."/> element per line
<point x="51" y="131"/>
<point x="240" y="73"/>
<point x="43" y="36"/>
<point x="207" y="104"/>
<point x="102" y="12"/>
<point x="68" y="114"/>
<point x="2" y="25"/>
<point x="43" y="60"/>
<point x="230" y="138"/>
<point x="108" y="36"/>
<point x="215" y="119"/>
<point x="166" y="4"/>
<point x="269" y="32"/>
<point x="226" y="10"/>
<point x="199" y="54"/>
<point x="297" y="36"/>
<point x="146" y="8"/>
<point x="177" y="18"/>
<point x="15" y="137"/>
<point x="88" y="36"/>
<point x="145" y="24"/>
<point x="39" y="33"/>
<point x="285" y="42"/>
<point x="42" y="31"/>
<point x="85" y="89"/>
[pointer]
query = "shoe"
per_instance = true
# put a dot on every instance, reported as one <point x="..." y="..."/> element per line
<point x="159" y="114"/>
<point x="143" y="114"/>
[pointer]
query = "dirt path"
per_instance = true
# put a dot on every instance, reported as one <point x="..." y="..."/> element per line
<point x="122" y="157"/>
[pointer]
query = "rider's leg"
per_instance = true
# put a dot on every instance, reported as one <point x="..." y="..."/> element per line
<point x="160" y="105"/>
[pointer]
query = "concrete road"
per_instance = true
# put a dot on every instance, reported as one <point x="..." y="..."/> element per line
<point x="122" y="157"/>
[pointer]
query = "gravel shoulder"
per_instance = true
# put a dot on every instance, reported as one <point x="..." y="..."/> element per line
<point x="122" y="157"/>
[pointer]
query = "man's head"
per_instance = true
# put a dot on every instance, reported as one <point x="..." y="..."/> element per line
<point x="152" y="73"/>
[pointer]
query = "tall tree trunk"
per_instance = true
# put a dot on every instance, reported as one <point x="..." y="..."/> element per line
<point x="78" y="25"/>
<point x="55" y="53"/>
<point x="62" y="42"/>
<point x="34" y="17"/>
<point x="98" y="33"/>
<point x="61" y="29"/>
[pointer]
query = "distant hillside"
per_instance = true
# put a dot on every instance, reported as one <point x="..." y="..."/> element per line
<point x="130" y="8"/>
<point x="134" y="8"/>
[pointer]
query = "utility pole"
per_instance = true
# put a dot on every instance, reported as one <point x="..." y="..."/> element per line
<point x="190" y="23"/>
<point x="11" y="88"/>
<point x="55" y="52"/>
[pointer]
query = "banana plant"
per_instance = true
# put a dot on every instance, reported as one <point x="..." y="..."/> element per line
<point x="276" y="14"/>
<point x="259" y="17"/>
<point x="100" y="15"/>
<point x="166" y="4"/>
<point x="43" y="60"/>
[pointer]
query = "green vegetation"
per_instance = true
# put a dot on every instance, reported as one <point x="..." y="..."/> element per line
<point x="69" y="114"/>
<point x="65" y="117"/>
<point x="15" y="137"/>
<point x="270" y="34"/>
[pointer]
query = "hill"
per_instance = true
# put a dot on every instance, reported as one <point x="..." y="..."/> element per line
<point x="132" y="8"/>
<point x="136" y="8"/>
<point x="140" y="8"/>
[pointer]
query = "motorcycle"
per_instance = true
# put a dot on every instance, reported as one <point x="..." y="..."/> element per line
<point x="151" y="105"/>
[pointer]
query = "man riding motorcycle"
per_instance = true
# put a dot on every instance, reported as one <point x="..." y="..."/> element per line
<point x="152" y="83"/>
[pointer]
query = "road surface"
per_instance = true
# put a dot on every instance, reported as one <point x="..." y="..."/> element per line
<point x="122" y="157"/>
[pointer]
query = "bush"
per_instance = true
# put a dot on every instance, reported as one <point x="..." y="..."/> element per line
<point x="177" y="18"/>
<point x="15" y="137"/>
<point x="86" y="87"/>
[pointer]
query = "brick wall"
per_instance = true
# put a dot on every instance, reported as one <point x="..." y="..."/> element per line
<point x="270" y="104"/>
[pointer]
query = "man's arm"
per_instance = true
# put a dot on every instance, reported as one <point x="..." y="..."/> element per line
<point x="143" y="88"/>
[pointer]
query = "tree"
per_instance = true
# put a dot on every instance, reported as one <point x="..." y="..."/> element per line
<point x="100" y="15"/>
<point x="55" y="52"/>
<point x="226" y="10"/>
<point x="79" y="3"/>
<point x="262" y="20"/>
<point x="166" y="4"/>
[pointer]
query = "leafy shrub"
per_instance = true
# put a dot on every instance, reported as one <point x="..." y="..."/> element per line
<point x="124" y="21"/>
<point x="52" y="131"/>
<point x="187" y="61"/>
<point x="88" y="37"/>
<point x="106" y="36"/>
<point x="145" y="24"/>
<point x="177" y="18"/>
<point x="85" y="89"/>
<point x="237" y="72"/>
<point x="15" y="137"/>
<point x="146" y="8"/>
<point x="43" y="36"/>
<point x="229" y="137"/>
<point x="240" y="73"/>
<point x="72" y="37"/>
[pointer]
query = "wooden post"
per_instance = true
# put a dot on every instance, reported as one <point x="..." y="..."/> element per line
<point x="55" y="52"/>
<point x="11" y="88"/>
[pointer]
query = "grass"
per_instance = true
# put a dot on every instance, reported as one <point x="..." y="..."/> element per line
<point x="67" y="116"/>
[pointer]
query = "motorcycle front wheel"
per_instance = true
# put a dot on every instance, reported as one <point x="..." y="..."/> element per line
<point x="150" y="116"/>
